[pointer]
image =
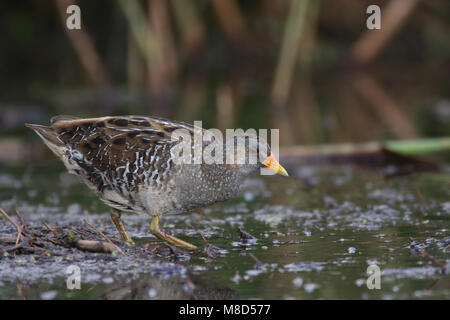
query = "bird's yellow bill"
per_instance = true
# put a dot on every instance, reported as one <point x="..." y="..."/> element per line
<point x="274" y="165"/>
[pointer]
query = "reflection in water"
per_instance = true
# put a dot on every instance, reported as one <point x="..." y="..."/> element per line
<point x="173" y="288"/>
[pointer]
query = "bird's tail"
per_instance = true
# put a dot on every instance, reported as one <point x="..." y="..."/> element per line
<point x="50" y="138"/>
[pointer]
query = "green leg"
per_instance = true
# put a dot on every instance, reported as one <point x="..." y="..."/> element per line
<point x="157" y="231"/>
<point x="115" y="216"/>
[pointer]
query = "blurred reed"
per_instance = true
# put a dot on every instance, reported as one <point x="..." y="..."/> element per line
<point x="266" y="63"/>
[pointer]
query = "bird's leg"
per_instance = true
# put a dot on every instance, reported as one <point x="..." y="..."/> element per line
<point x="115" y="216"/>
<point x="157" y="231"/>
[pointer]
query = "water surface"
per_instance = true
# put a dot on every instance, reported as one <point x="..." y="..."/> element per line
<point x="317" y="232"/>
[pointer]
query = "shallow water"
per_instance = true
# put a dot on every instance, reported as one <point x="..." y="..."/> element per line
<point x="317" y="232"/>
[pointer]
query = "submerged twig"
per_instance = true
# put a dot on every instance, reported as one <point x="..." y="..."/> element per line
<point x="203" y="238"/>
<point x="95" y="246"/>
<point x="434" y="284"/>
<point x="417" y="247"/>
<point x="211" y="251"/>
<point x="19" y="229"/>
<point x="10" y="219"/>
<point x="245" y="236"/>
<point x="433" y="259"/>
<point x="22" y="221"/>
<point x="51" y="229"/>
<point x="422" y="205"/>
<point x="104" y="236"/>
<point x="201" y="215"/>
<point x="19" y="234"/>
<point x="259" y="264"/>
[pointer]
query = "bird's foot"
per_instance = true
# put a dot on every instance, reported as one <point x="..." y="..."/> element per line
<point x="157" y="231"/>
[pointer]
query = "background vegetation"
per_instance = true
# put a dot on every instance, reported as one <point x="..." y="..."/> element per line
<point x="308" y="67"/>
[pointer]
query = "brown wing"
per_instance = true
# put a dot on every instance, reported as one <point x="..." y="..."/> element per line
<point x="117" y="150"/>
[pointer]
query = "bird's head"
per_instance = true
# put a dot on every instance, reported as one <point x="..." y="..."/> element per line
<point x="250" y="152"/>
